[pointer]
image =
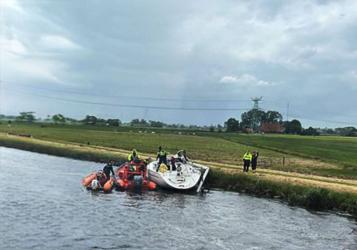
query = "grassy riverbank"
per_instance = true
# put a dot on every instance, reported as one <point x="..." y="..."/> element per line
<point x="312" y="192"/>
<point x="305" y="155"/>
<point x="294" y="194"/>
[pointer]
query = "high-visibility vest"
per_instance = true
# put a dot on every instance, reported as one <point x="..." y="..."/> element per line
<point x="162" y="153"/>
<point x="131" y="157"/>
<point x="247" y="156"/>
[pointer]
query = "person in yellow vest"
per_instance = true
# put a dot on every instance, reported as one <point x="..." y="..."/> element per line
<point x="133" y="156"/>
<point x="161" y="157"/>
<point x="247" y="158"/>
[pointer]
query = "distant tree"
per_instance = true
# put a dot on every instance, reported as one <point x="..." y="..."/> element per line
<point x="90" y="120"/>
<point x="139" y="123"/>
<point x="156" y="124"/>
<point x="346" y="131"/>
<point x="219" y="128"/>
<point x="253" y="119"/>
<point x="310" y="131"/>
<point x="26" y="117"/>
<point x="272" y="117"/>
<point x="211" y="128"/>
<point x="293" y="127"/>
<point x="113" y="122"/>
<point x="58" y="118"/>
<point x="232" y="125"/>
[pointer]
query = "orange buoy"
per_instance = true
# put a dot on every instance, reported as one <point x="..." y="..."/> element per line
<point x="108" y="185"/>
<point x="151" y="185"/>
<point x="88" y="179"/>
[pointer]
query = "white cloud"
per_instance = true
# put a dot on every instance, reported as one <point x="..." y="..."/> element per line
<point x="57" y="42"/>
<point x="245" y="80"/>
<point x="12" y="46"/>
<point x="11" y="4"/>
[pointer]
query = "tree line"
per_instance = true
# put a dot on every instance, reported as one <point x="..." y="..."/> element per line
<point x="252" y="121"/>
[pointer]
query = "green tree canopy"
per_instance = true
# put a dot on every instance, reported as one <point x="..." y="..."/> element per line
<point x="293" y="127"/>
<point x="26" y="116"/>
<point x="58" y="118"/>
<point x="232" y="125"/>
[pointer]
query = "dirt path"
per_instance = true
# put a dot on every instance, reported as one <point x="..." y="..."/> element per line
<point x="332" y="183"/>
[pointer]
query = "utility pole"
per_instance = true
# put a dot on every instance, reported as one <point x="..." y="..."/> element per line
<point x="287" y="111"/>
<point x="255" y="123"/>
<point x="256" y="101"/>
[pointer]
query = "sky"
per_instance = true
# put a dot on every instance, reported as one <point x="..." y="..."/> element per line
<point x="190" y="62"/>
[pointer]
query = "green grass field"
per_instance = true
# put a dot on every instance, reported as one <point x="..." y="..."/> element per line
<point x="215" y="147"/>
<point x="199" y="147"/>
<point x="336" y="149"/>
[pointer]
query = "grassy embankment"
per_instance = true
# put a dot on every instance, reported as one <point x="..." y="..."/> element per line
<point x="222" y="154"/>
<point x="330" y="155"/>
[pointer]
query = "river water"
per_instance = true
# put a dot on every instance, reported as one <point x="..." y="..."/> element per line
<point x="43" y="206"/>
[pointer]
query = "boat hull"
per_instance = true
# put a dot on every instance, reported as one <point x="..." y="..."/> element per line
<point x="186" y="179"/>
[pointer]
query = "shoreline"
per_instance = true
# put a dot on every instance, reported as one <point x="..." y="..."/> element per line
<point x="311" y="192"/>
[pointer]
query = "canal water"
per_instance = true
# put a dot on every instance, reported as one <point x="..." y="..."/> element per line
<point x="43" y="206"/>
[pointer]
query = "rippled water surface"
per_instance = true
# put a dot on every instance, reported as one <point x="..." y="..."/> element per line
<point x="42" y="206"/>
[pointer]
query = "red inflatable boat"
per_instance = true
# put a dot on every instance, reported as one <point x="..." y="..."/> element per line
<point x="98" y="181"/>
<point x="133" y="175"/>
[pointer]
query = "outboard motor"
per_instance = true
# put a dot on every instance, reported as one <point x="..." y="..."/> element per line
<point x="95" y="184"/>
<point x="138" y="181"/>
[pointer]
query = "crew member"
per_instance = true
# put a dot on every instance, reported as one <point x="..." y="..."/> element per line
<point x="182" y="156"/>
<point x="162" y="157"/>
<point x="109" y="169"/>
<point x="254" y="160"/>
<point x="133" y="156"/>
<point x="247" y="158"/>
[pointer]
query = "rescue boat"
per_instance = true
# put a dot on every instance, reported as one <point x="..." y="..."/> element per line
<point x="98" y="181"/>
<point x="133" y="176"/>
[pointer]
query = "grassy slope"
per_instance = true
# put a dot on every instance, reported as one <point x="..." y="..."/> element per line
<point x="205" y="148"/>
<point x="215" y="147"/>
<point x="331" y="148"/>
<point x="340" y="151"/>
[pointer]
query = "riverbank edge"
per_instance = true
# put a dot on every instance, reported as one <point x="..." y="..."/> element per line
<point x="313" y="198"/>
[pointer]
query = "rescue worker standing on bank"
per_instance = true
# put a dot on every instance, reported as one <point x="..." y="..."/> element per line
<point x="162" y="157"/>
<point x="247" y="158"/>
<point x="133" y="156"/>
<point x="254" y="160"/>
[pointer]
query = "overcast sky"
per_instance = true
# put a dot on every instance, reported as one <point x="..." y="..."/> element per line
<point x="99" y="57"/>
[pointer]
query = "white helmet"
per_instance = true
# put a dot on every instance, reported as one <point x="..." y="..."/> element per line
<point x="95" y="184"/>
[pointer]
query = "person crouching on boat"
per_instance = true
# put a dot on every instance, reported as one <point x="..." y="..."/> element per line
<point x="162" y="157"/>
<point x="109" y="169"/>
<point x="133" y="156"/>
<point x="182" y="156"/>
<point x="247" y="158"/>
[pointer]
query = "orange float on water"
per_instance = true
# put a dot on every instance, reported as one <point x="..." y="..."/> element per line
<point x="97" y="181"/>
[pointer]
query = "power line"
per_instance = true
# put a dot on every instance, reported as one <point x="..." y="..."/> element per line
<point x="128" y="105"/>
<point x="318" y="120"/>
<point x="127" y="97"/>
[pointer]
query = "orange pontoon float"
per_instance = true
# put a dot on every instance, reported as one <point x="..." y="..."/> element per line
<point x="98" y="181"/>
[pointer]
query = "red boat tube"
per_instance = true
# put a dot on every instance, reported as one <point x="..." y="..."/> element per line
<point x="97" y="181"/>
<point x="133" y="175"/>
